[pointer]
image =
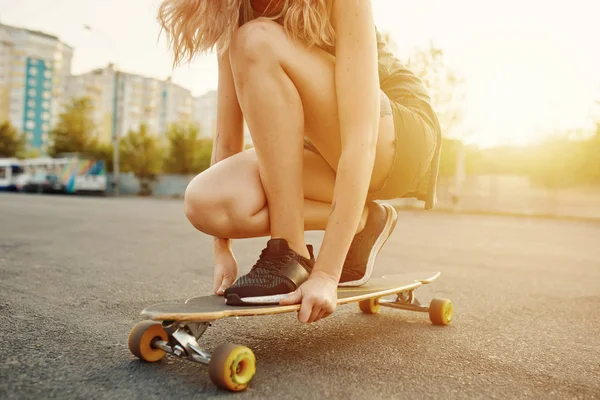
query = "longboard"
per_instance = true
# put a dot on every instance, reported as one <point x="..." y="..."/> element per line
<point x="176" y="327"/>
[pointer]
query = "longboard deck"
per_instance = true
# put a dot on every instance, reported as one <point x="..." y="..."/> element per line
<point x="213" y="307"/>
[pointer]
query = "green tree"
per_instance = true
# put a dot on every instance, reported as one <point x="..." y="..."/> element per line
<point x="142" y="155"/>
<point x="553" y="163"/>
<point x="447" y="98"/>
<point x="104" y="151"/>
<point x="443" y="85"/>
<point x="449" y="157"/>
<point x="12" y="144"/>
<point x="75" y="130"/>
<point x="187" y="153"/>
<point x="31" y="153"/>
<point x="591" y="159"/>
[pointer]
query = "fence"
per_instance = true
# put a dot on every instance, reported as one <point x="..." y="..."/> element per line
<point x="478" y="194"/>
<point x="164" y="186"/>
<point x="506" y="194"/>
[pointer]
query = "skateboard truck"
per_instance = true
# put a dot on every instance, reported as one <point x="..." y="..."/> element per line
<point x="183" y="340"/>
<point x="230" y="366"/>
<point x="440" y="310"/>
<point x="405" y="301"/>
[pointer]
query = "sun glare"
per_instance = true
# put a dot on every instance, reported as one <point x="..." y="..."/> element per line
<point x="529" y="69"/>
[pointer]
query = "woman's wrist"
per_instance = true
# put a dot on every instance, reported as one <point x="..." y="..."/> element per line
<point x="221" y="243"/>
<point x="334" y="278"/>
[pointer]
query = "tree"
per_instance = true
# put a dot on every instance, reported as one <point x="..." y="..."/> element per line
<point x="554" y="163"/>
<point x="75" y="130"/>
<point x="443" y="85"/>
<point x="31" y="152"/>
<point x="449" y="158"/>
<point x="142" y="155"/>
<point x="592" y="160"/>
<point x="187" y="153"/>
<point x="12" y="144"/>
<point x="104" y="151"/>
<point x="447" y="98"/>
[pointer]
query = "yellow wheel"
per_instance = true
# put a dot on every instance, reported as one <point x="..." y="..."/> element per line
<point x="369" y="306"/>
<point x="440" y="311"/>
<point x="232" y="367"/>
<point x="140" y="341"/>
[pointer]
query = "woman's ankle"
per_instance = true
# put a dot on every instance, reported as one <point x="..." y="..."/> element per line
<point x="299" y="248"/>
<point x="363" y="220"/>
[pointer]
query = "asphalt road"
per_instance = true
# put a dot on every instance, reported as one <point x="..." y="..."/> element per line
<point x="76" y="272"/>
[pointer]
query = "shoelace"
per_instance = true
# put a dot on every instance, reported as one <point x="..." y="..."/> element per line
<point x="272" y="261"/>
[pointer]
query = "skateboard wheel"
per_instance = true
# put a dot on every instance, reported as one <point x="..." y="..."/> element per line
<point x="140" y="341"/>
<point x="232" y="367"/>
<point x="369" y="306"/>
<point x="440" y="311"/>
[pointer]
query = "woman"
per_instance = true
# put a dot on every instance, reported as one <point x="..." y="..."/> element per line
<point x="336" y="123"/>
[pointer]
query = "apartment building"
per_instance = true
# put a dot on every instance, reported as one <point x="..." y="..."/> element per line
<point x="205" y="115"/>
<point x="123" y="101"/>
<point x="34" y="71"/>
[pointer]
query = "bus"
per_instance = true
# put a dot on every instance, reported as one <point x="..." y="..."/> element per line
<point x="10" y="171"/>
<point x="73" y="174"/>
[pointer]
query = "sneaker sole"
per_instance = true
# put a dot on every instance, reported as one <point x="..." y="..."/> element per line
<point x="392" y="219"/>
<point x="235" y="300"/>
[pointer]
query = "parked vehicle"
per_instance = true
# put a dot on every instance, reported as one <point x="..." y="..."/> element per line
<point x="10" y="171"/>
<point x="74" y="174"/>
<point x="44" y="183"/>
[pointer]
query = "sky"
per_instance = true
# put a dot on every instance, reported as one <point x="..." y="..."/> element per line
<point x="531" y="67"/>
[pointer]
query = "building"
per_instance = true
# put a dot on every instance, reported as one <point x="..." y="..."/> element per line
<point x="34" y="71"/>
<point x="155" y="103"/>
<point x="6" y="54"/>
<point x="138" y="102"/>
<point x="205" y="115"/>
<point x="178" y="104"/>
<point x="123" y="101"/>
<point x="98" y="86"/>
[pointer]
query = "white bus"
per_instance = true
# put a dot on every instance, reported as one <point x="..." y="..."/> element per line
<point x="73" y="173"/>
<point x="10" y="172"/>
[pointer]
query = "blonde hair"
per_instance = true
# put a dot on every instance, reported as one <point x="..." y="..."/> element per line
<point x="199" y="26"/>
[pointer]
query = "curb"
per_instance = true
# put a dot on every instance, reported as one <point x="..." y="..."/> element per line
<point x="447" y="210"/>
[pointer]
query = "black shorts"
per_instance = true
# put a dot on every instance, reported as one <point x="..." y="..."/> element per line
<point x="414" y="149"/>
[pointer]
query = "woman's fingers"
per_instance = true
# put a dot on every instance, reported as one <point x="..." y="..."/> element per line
<point x="292" y="298"/>
<point x="222" y="280"/>
<point x="225" y="284"/>
<point x="314" y="315"/>
<point x="306" y="310"/>
<point x="217" y="279"/>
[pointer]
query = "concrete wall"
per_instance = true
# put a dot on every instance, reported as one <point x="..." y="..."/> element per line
<point x="481" y="194"/>
<point x="515" y="195"/>
<point x="164" y="186"/>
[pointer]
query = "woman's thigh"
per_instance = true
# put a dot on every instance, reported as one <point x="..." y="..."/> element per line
<point x="312" y="71"/>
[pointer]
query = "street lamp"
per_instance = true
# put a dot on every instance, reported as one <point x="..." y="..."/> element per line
<point x="115" y="135"/>
<point x="115" y="102"/>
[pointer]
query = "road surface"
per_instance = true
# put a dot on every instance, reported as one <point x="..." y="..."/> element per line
<point x="75" y="273"/>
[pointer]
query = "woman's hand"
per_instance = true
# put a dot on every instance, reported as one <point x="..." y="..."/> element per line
<point x="318" y="296"/>
<point x="226" y="267"/>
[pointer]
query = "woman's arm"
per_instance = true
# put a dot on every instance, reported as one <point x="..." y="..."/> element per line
<point x="229" y="135"/>
<point x="357" y="89"/>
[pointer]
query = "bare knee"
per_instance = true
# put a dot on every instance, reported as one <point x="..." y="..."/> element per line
<point x="256" y="41"/>
<point x="206" y="213"/>
<point x="215" y="212"/>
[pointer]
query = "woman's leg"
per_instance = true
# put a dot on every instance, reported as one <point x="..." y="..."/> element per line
<point x="287" y="91"/>
<point x="228" y="199"/>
